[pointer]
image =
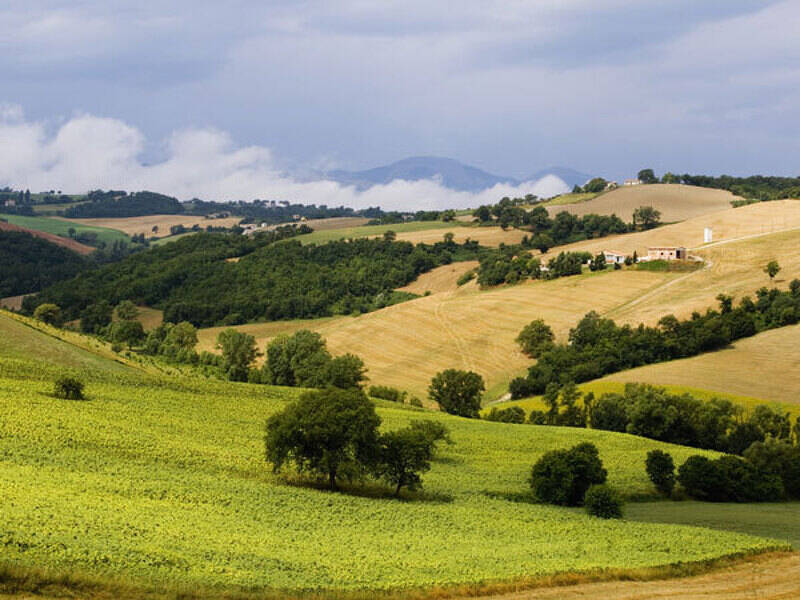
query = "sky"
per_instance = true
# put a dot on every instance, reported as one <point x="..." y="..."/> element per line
<point x="241" y="99"/>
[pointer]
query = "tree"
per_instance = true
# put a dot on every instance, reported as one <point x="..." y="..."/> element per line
<point x="389" y="236"/>
<point x="670" y="178"/>
<point x="448" y="215"/>
<point x="130" y="333"/>
<point x="661" y="470"/>
<point x="328" y="433"/>
<point x="598" y="184"/>
<point x="482" y="213"/>
<point x="598" y="262"/>
<point x="647" y="176"/>
<point x="68" y="388"/>
<point x="127" y="310"/>
<point x="457" y="392"/>
<point x="182" y="336"/>
<point x="48" y="313"/>
<point x="536" y="337"/>
<point x="542" y="242"/>
<point x="95" y="316"/>
<point x="300" y="359"/>
<point x="346" y="372"/>
<point x="71" y="232"/>
<point x="646" y="217"/>
<point x="563" y="476"/>
<point x="603" y="501"/>
<point x="402" y="456"/>
<point x="772" y="269"/>
<point x="238" y="353"/>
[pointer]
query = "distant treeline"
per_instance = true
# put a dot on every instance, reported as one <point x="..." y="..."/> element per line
<point x="598" y="346"/>
<point x="191" y="280"/>
<point x="28" y="263"/>
<point x="758" y="187"/>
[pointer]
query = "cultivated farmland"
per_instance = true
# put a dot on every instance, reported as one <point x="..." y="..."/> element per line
<point x="676" y="202"/>
<point x="136" y="225"/>
<point x="68" y="243"/>
<point x="161" y="481"/>
<point x="61" y="227"/>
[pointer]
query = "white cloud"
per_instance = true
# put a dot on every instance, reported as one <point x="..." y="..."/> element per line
<point x="88" y="152"/>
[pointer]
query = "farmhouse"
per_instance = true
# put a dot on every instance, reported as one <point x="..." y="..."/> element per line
<point x="614" y="257"/>
<point x="667" y="253"/>
<point x="633" y="182"/>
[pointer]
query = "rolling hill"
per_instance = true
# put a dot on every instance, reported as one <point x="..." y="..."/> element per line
<point x="159" y="483"/>
<point x="64" y="242"/>
<point x="676" y="202"/>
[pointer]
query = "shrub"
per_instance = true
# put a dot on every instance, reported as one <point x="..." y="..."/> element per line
<point x="728" y="479"/>
<point x="48" y="313"/>
<point x="778" y="457"/>
<point x="661" y="470"/>
<point x="603" y="501"/>
<point x="512" y="414"/>
<point x="68" y="388"/>
<point x="563" y="476"/>
<point x="537" y="417"/>
<point x="466" y="277"/>
<point x="384" y="392"/>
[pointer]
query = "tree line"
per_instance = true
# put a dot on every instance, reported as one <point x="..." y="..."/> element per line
<point x="598" y="346"/>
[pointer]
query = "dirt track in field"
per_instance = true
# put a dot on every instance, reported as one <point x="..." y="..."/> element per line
<point x="761" y="579"/>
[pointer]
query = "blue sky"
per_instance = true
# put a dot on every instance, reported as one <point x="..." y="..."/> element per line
<point x="604" y="86"/>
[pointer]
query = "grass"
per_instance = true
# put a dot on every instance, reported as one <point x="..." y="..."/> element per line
<point x="780" y="521"/>
<point x="62" y="227"/>
<point x="326" y="235"/>
<point x="161" y="481"/>
<point x="672" y="266"/>
<point x="571" y="198"/>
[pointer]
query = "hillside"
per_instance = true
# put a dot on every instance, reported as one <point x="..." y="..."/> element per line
<point x="406" y="344"/>
<point x="773" y="355"/>
<point x="676" y="202"/>
<point x="144" y="224"/>
<point x="58" y="227"/>
<point x="64" y="242"/>
<point x="152" y="481"/>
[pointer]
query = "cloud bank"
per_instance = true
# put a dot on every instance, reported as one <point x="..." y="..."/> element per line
<point x="89" y="152"/>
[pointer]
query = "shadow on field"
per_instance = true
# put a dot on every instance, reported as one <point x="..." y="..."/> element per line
<point x="366" y="490"/>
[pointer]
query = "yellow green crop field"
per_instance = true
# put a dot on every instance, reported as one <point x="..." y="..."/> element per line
<point x="160" y="481"/>
<point x="327" y="235"/>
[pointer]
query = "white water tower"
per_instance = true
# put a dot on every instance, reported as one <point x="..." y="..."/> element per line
<point x="707" y="235"/>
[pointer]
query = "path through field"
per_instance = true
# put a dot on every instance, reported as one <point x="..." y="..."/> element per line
<point x="762" y="579"/>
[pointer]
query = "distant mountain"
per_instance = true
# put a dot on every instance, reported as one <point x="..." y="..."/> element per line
<point x="569" y="176"/>
<point x="450" y="173"/>
<point x="447" y="171"/>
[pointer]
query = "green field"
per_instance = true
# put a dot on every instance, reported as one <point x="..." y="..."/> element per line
<point x="779" y="521"/>
<point x="59" y="227"/>
<point x="328" y="235"/>
<point x="565" y="199"/>
<point x="160" y="481"/>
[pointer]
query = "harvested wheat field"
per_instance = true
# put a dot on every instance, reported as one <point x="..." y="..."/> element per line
<point x="145" y="224"/>
<point x="441" y="279"/>
<point x="485" y="236"/>
<point x="773" y="355"/>
<point x="768" y="577"/>
<point x="65" y="242"/>
<point x="676" y="202"/>
<point x="333" y="223"/>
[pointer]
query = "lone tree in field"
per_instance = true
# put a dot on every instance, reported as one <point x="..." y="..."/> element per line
<point x="646" y="217"/>
<point x="772" y="269"/>
<point x="457" y="392"/>
<point x="661" y="471"/>
<point x="535" y="338"/>
<point x="48" y="313"/>
<point x="328" y="433"/>
<point x="563" y="476"/>
<point x="404" y="455"/>
<point x="238" y="353"/>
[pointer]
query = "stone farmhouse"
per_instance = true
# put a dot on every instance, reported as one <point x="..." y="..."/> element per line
<point x="667" y="253"/>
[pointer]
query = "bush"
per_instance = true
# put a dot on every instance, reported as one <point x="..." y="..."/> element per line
<point x="563" y="476"/>
<point x="728" y="479"/>
<point x="512" y="414"/>
<point x="661" y="470"/>
<point x="603" y="501"/>
<point x="48" y="313"/>
<point x="384" y="392"/>
<point x="466" y="277"/>
<point x="68" y="388"/>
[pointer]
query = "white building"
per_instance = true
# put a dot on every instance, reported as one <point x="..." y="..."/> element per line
<point x="708" y="235"/>
<point x="633" y="182"/>
<point x="614" y="257"/>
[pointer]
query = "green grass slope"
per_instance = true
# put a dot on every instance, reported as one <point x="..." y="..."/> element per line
<point x="59" y="227"/>
<point x="161" y="481"/>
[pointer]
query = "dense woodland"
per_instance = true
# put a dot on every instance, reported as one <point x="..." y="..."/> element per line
<point x="192" y="280"/>
<point x="30" y="263"/>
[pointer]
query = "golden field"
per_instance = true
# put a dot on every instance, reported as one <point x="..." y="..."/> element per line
<point x="145" y="224"/>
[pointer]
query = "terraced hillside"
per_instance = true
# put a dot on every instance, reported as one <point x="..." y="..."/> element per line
<point x="161" y="482"/>
<point x="676" y="202"/>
